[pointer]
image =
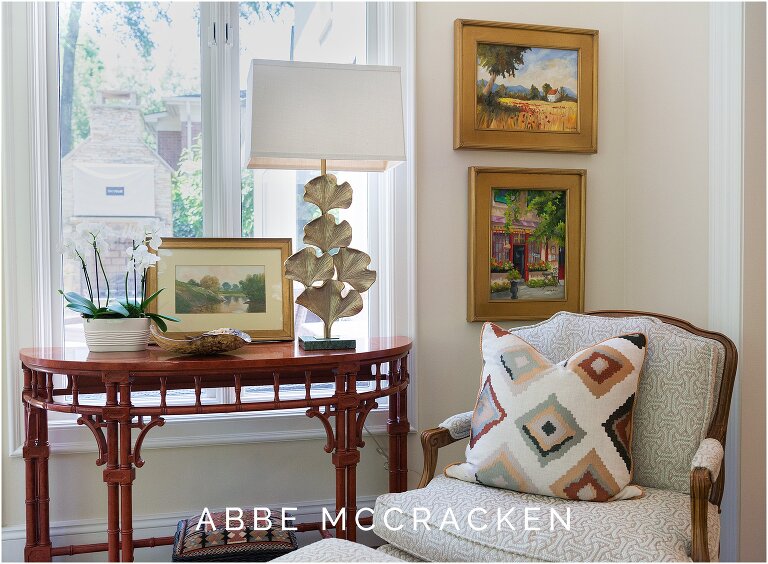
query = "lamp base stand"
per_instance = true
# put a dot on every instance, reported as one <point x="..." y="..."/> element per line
<point x="321" y="344"/>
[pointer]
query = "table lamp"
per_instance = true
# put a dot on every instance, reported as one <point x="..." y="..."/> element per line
<point x="306" y="116"/>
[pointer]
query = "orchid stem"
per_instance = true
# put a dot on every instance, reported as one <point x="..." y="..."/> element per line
<point x="96" y="266"/>
<point x="104" y="272"/>
<point x="87" y="278"/>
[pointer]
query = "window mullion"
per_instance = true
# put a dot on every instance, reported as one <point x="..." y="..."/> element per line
<point x="221" y="99"/>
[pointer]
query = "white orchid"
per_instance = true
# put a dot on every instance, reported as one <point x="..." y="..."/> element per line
<point x="95" y="231"/>
<point x="152" y="235"/>
<point x="88" y="244"/>
<point x="72" y="248"/>
<point x="147" y="261"/>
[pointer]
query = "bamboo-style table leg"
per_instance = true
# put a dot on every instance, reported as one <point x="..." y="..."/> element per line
<point x="352" y="455"/>
<point x="346" y="454"/>
<point x="110" y="473"/>
<point x="127" y="473"/>
<point x="36" y="452"/>
<point x="397" y="428"/>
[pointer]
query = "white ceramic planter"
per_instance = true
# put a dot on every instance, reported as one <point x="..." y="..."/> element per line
<point x="117" y="335"/>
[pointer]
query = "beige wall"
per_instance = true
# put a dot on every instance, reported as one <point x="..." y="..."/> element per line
<point x="449" y="357"/>
<point x="752" y="361"/>
<point x="646" y="187"/>
<point x="647" y="194"/>
<point x="666" y="159"/>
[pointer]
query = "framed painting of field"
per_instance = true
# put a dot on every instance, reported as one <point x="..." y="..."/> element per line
<point x="526" y="243"/>
<point x="213" y="283"/>
<point x="525" y="87"/>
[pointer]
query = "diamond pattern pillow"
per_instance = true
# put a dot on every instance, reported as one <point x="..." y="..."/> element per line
<point x="562" y="430"/>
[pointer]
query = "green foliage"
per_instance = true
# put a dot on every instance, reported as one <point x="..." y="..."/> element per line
<point x="246" y="202"/>
<point x="187" y="193"/>
<point x="512" y="211"/>
<point x="195" y="299"/>
<point x="549" y="205"/>
<point x="514" y="275"/>
<point x="89" y="70"/>
<point x="500" y="60"/>
<point x="130" y="23"/>
<point x="545" y="88"/>
<point x="533" y="93"/>
<point x="500" y="287"/>
<point x="501" y="266"/>
<point x="254" y="288"/>
<point x="210" y="283"/>
<point x="257" y="10"/>
<point x="540" y="266"/>
<point x="116" y="310"/>
<point x="541" y="282"/>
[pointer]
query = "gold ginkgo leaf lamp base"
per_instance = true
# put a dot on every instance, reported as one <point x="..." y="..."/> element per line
<point x="348" y="116"/>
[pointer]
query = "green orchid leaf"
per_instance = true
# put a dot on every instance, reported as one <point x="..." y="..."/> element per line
<point x="168" y="317"/>
<point x="117" y="307"/>
<point x="133" y="308"/>
<point x="160" y="323"/>
<point x="146" y="302"/>
<point x="80" y="309"/>
<point x="104" y="313"/>
<point x="75" y="298"/>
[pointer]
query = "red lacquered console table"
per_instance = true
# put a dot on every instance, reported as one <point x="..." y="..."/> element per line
<point x="379" y="360"/>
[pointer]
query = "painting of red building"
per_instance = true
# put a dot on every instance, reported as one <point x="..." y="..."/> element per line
<point x="528" y="239"/>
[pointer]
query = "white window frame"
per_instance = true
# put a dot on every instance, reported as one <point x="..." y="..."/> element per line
<point x="31" y="217"/>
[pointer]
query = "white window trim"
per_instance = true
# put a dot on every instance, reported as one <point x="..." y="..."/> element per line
<point x="31" y="222"/>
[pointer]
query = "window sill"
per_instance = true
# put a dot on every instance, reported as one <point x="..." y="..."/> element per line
<point x="66" y="437"/>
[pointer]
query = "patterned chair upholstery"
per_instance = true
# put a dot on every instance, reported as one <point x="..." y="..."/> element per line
<point x="677" y="446"/>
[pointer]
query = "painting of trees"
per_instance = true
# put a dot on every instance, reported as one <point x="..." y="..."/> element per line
<point x="549" y="206"/>
<point x="499" y="61"/>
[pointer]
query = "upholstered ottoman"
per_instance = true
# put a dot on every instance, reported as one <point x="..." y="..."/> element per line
<point x="214" y="543"/>
<point x="336" y="550"/>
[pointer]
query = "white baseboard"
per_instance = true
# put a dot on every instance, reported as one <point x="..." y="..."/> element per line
<point x="85" y="531"/>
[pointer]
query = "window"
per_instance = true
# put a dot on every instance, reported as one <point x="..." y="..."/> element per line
<point x="192" y="107"/>
<point x="136" y="85"/>
<point x="130" y="129"/>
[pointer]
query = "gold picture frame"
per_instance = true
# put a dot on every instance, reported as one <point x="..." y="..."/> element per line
<point x="518" y="116"/>
<point x="507" y="233"/>
<point x="211" y="283"/>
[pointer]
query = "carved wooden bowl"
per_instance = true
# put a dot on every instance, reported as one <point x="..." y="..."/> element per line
<point x="211" y="342"/>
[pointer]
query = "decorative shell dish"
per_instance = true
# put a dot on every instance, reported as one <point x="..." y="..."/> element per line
<point x="210" y="342"/>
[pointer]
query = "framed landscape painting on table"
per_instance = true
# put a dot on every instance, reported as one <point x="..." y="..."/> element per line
<point x="526" y="243"/>
<point x="213" y="283"/>
<point x="525" y="87"/>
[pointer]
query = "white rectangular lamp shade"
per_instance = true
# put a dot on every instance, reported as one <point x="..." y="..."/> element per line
<point x="300" y="113"/>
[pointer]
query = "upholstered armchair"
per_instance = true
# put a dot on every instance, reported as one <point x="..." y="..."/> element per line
<point x="679" y="429"/>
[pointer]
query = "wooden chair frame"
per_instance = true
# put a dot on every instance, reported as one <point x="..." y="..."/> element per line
<point x="702" y="488"/>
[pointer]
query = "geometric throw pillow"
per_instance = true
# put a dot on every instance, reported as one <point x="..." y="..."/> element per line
<point x="562" y="430"/>
<point x="258" y="540"/>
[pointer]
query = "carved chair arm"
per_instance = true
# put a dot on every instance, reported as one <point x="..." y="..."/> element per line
<point x="434" y="439"/>
<point x="705" y="468"/>
<point x="701" y="484"/>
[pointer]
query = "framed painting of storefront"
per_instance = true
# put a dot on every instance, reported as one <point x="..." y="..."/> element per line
<point x="525" y="87"/>
<point x="526" y="243"/>
<point x="214" y="283"/>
